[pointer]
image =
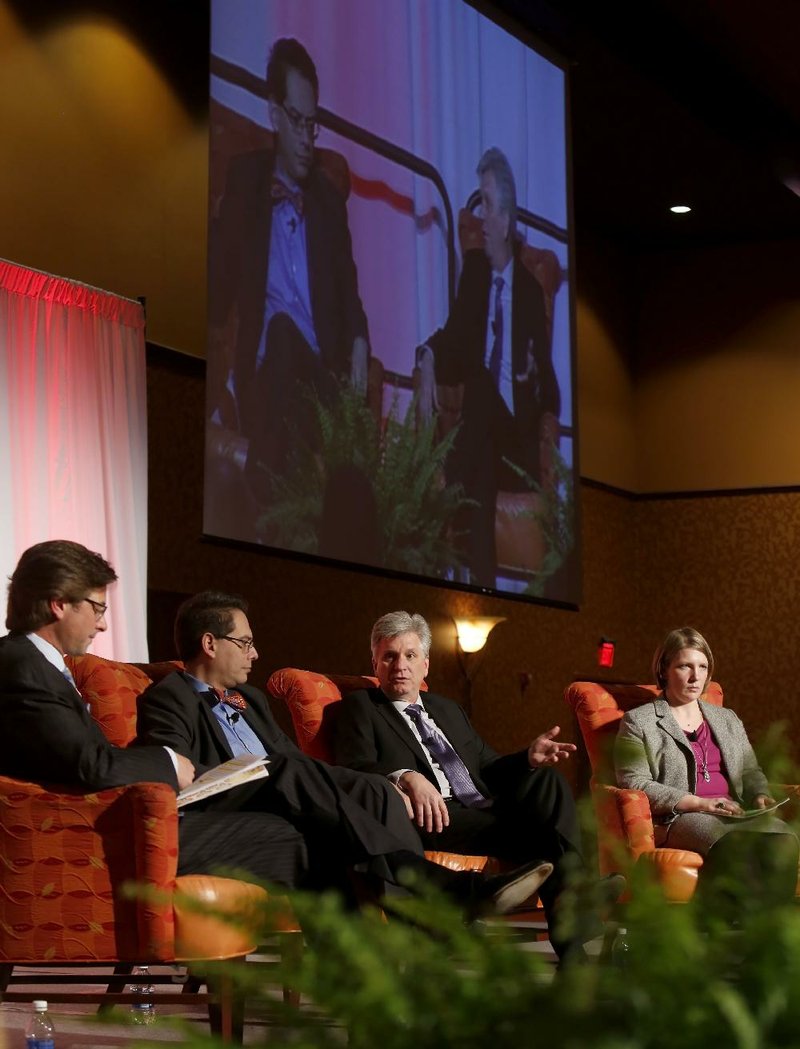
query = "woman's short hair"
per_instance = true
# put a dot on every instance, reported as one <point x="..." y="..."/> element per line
<point x="209" y="612"/>
<point x="53" y="570"/>
<point x="395" y="623"/>
<point x="675" y="642"/>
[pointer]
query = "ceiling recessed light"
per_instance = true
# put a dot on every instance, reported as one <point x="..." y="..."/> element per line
<point x="680" y="209"/>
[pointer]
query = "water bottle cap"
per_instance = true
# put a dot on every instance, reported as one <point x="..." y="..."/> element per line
<point x="40" y="1006"/>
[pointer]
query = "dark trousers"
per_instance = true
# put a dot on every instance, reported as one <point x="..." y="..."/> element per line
<point x="280" y="410"/>
<point x="535" y="819"/>
<point x="488" y="436"/>
<point x="306" y="825"/>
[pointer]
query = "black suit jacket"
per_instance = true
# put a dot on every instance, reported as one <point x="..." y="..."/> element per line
<point x="239" y="242"/>
<point x="48" y="735"/>
<point x="371" y="736"/>
<point x="460" y="346"/>
<point x="173" y="714"/>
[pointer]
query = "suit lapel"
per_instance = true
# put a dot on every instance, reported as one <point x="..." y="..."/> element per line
<point x="398" y="724"/>
<point x="207" y="718"/>
<point x="257" y="720"/>
<point x="668" y="724"/>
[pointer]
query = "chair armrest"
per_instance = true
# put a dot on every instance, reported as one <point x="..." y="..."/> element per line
<point x="624" y="825"/>
<point x="66" y="857"/>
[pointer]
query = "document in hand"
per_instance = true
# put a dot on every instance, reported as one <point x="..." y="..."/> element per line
<point x="749" y="814"/>
<point x="229" y="774"/>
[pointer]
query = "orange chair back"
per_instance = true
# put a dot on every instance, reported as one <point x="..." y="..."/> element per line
<point x="110" y="690"/>
<point x="309" y="696"/>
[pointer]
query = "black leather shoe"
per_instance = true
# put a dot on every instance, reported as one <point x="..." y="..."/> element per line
<point x="501" y="893"/>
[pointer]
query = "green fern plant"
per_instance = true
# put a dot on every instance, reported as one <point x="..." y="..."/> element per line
<point x="402" y="462"/>
<point x="556" y="517"/>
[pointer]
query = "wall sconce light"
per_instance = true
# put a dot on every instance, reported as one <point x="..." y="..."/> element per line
<point x="473" y="632"/>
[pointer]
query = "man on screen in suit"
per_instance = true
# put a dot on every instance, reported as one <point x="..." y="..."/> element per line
<point x="465" y="797"/>
<point x="208" y="714"/>
<point x="281" y="255"/>
<point x="495" y="343"/>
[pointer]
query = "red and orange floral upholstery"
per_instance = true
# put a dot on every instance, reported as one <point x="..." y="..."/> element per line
<point x="624" y="824"/>
<point x="65" y="856"/>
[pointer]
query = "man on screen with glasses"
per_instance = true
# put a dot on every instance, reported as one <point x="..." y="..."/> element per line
<point x="281" y="256"/>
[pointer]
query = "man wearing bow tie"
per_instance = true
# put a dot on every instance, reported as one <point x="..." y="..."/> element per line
<point x="281" y="257"/>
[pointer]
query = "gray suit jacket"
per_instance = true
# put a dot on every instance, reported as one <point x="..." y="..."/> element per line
<point x="652" y="754"/>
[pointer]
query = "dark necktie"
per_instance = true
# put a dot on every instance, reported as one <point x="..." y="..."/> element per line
<point x="230" y="698"/>
<point x="280" y="191"/>
<point x="464" y="790"/>
<point x="496" y="356"/>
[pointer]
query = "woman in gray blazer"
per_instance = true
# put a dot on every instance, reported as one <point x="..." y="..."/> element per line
<point x="695" y="763"/>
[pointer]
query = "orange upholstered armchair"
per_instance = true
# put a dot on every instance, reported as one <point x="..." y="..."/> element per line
<point x="66" y="856"/>
<point x="623" y="817"/>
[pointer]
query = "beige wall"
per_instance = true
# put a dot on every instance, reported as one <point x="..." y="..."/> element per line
<point x="718" y="351"/>
<point x="105" y="175"/>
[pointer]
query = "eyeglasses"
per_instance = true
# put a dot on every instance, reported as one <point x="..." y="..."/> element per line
<point x="299" y="123"/>
<point x="246" y="644"/>
<point x="98" y="607"/>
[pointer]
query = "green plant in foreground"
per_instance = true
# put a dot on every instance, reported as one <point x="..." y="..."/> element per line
<point x="426" y="982"/>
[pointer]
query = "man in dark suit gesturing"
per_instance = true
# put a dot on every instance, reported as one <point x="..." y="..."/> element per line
<point x="209" y="714"/>
<point x="495" y="343"/>
<point x="281" y="257"/>
<point x="465" y="797"/>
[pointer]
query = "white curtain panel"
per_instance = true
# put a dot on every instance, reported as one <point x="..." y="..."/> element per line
<point x="73" y="435"/>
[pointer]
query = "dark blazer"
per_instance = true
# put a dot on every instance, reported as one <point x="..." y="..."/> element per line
<point x="459" y="347"/>
<point x="371" y="736"/>
<point x="171" y="713"/>
<point x="239" y="242"/>
<point x="48" y="735"/>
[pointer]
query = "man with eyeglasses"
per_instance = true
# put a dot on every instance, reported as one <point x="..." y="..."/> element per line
<point x="56" y="606"/>
<point x="281" y="259"/>
<point x="207" y="713"/>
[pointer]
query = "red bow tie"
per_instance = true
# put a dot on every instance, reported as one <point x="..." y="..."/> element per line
<point x="230" y="698"/>
<point x="280" y="191"/>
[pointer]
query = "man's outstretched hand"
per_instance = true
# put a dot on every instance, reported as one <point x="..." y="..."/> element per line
<point x="546" y="749"/>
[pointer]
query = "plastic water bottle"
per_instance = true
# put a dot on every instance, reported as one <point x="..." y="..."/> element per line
<point x="39" y="1032"/>
<point x="143" y="1010"/>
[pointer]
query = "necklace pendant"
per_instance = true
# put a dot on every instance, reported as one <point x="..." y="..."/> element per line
<point x="706" y="775"/>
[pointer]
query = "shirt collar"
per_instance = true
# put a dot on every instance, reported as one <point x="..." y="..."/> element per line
<point x="507" y="273"/>
<point x="50" y="652"/>
<point x="401" y="704"/>
<point x="202" y="688"/>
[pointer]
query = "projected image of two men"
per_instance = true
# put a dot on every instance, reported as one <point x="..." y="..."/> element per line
<point x="390" y="361"/>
